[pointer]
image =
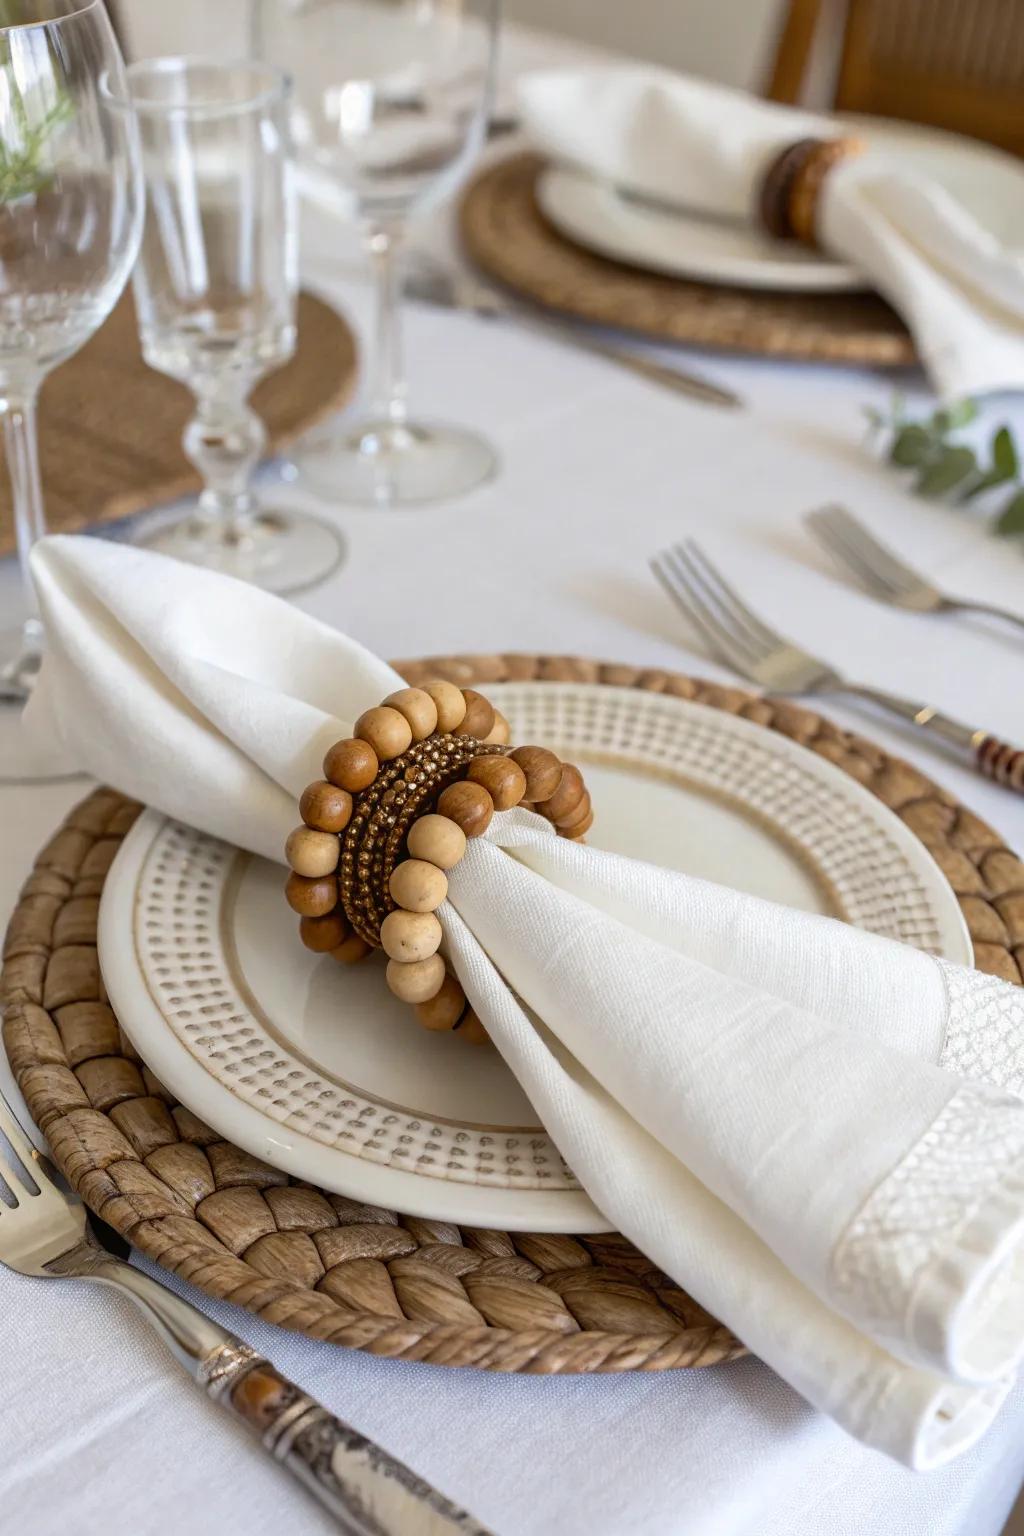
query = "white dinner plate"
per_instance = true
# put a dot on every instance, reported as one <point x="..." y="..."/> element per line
<point x="595" y="214"/>
<point x="318" y="1070"/>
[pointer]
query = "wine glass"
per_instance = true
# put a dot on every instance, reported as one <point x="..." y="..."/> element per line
<point x="70" y="223"/>
<point x="392" y="103"/>
<point x="215" y="289"/>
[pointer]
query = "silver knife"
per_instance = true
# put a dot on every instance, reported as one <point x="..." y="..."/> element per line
<point x="433" y="284"/>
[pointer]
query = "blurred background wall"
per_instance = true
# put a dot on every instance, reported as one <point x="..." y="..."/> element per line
<point x="730" y="40"/>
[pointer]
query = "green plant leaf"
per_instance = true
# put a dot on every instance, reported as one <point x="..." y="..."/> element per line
<point x="1010" y="522"/>
<point x="912" y="446"/>
<point x="952" y="466"/>
<point x="951" y="418"/>
<point x="1005" y="465"/>
<point x="1004" y="454"/>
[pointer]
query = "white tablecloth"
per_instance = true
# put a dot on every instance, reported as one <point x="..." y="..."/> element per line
<point x="101" y="1434"/>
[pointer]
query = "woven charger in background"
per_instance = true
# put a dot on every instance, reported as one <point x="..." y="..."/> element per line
<point x="353" y="1274"/>
<point x="110" y="427"/>
<point x="507" y="236"/>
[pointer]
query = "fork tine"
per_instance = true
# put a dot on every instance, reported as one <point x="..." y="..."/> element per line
<point x="679" y="584"/>
<point x="851" y="561"/>
<point x="26" y="1165"/>
<point x="761" y="638"/>
<point x="871" y="553"/>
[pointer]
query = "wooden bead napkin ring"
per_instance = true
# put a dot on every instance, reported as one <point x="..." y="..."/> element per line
<point x="791" y="187"/>
<point x="424" y="771"/>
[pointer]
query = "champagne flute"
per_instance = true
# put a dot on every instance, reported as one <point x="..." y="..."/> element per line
<point x="70" y="223"/>
<point x="392" y="103"/>
<point x="215" y="288"/>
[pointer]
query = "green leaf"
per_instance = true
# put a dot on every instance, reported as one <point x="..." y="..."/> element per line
<point x="912" y="446"/>
<point x="1005" y="458"/>
<point x="950" y="418"/>
<point x="952" y="466"/>
<point x="1005" y="465"/>
<point x="1010" y="522"/>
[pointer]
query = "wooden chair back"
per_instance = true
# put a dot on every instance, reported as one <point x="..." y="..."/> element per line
<point x="958" y="64"/>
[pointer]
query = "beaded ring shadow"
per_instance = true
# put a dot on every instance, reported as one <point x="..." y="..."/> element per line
<point x="425" y="771"/>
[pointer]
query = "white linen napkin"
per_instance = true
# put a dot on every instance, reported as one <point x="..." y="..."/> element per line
<point x="815" y="1131"/>
<point x="705" y="148"/>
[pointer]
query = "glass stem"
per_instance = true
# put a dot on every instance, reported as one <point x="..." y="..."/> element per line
<point x="224" y="441"/>
<point x="22" y="445"/>
<point x="388" y="394"/>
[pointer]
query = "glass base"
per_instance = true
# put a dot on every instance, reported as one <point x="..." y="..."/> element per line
<point x="279" y="551"/>
<point x="22" y="760"/>
<point x="384" y="464"/>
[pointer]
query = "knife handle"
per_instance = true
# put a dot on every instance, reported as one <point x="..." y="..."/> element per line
<point x="997" y="760"/>
<point x="367" y="1491"/>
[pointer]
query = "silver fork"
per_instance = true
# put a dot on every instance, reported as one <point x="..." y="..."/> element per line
<point x="736" y="636"/>
<point x="434" y="284"/>
<point x="45" y="1231"/>
<point x="883" y="574"/>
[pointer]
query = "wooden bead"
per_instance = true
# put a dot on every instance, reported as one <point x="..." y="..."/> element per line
<point x="312" y="854"/>
<point x="312" y="898"/>
<point x="418" y="886"/>
<point x="418" y="708"/>
<point x="323" y="934"/>
<point x="387" y="731"/>
<point x="501" y="732"/>
<point x="468" y="805"/>
<point x="472" y="1030"/>
<point x="566" y="797"/>
<point x="543" y="771"/>
<point x="503" y="780"/>
<point x="572" y="818"/>
<point x="416" y="981"/>
<point x="479" y="717"/>
<point x="449" y="703"/>
<point x="410" y="935"/>
<point x="351" y="950"/>
<point x="351" y="765"/>
<point x="574" y="834"/>
<point x="326" y="807"/>
<point x="437" y="840"/>
<point x="445" y="1009"/>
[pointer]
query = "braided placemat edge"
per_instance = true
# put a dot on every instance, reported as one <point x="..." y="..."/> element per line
<point x="356" y="1275"/>
<point x="506" y="235"/>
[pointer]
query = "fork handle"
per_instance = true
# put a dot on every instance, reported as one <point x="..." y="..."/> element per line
<point x="992" y="610"/>
<point x="996" y="759"/>
<point x="367" y="1491"/>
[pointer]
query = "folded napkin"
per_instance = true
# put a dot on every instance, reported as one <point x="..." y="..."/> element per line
<point x="816" y="1132"/>
<point x="705" y="148"/>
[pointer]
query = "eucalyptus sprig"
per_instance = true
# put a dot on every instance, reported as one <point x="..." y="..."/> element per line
<point x="23" y="160"/>
<point x="23" y="165"/>
<point x="945" y="467"/>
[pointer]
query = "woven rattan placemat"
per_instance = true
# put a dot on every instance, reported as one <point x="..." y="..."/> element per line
<point x="353" y="1274"/>
<point x="506" y="234"/>
<point x="110" y="427"/>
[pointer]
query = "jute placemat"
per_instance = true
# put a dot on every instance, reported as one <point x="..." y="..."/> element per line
<point x="110" y="427"/>
<point x="505" y="233"/>
<point x="354" y="1274"/>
